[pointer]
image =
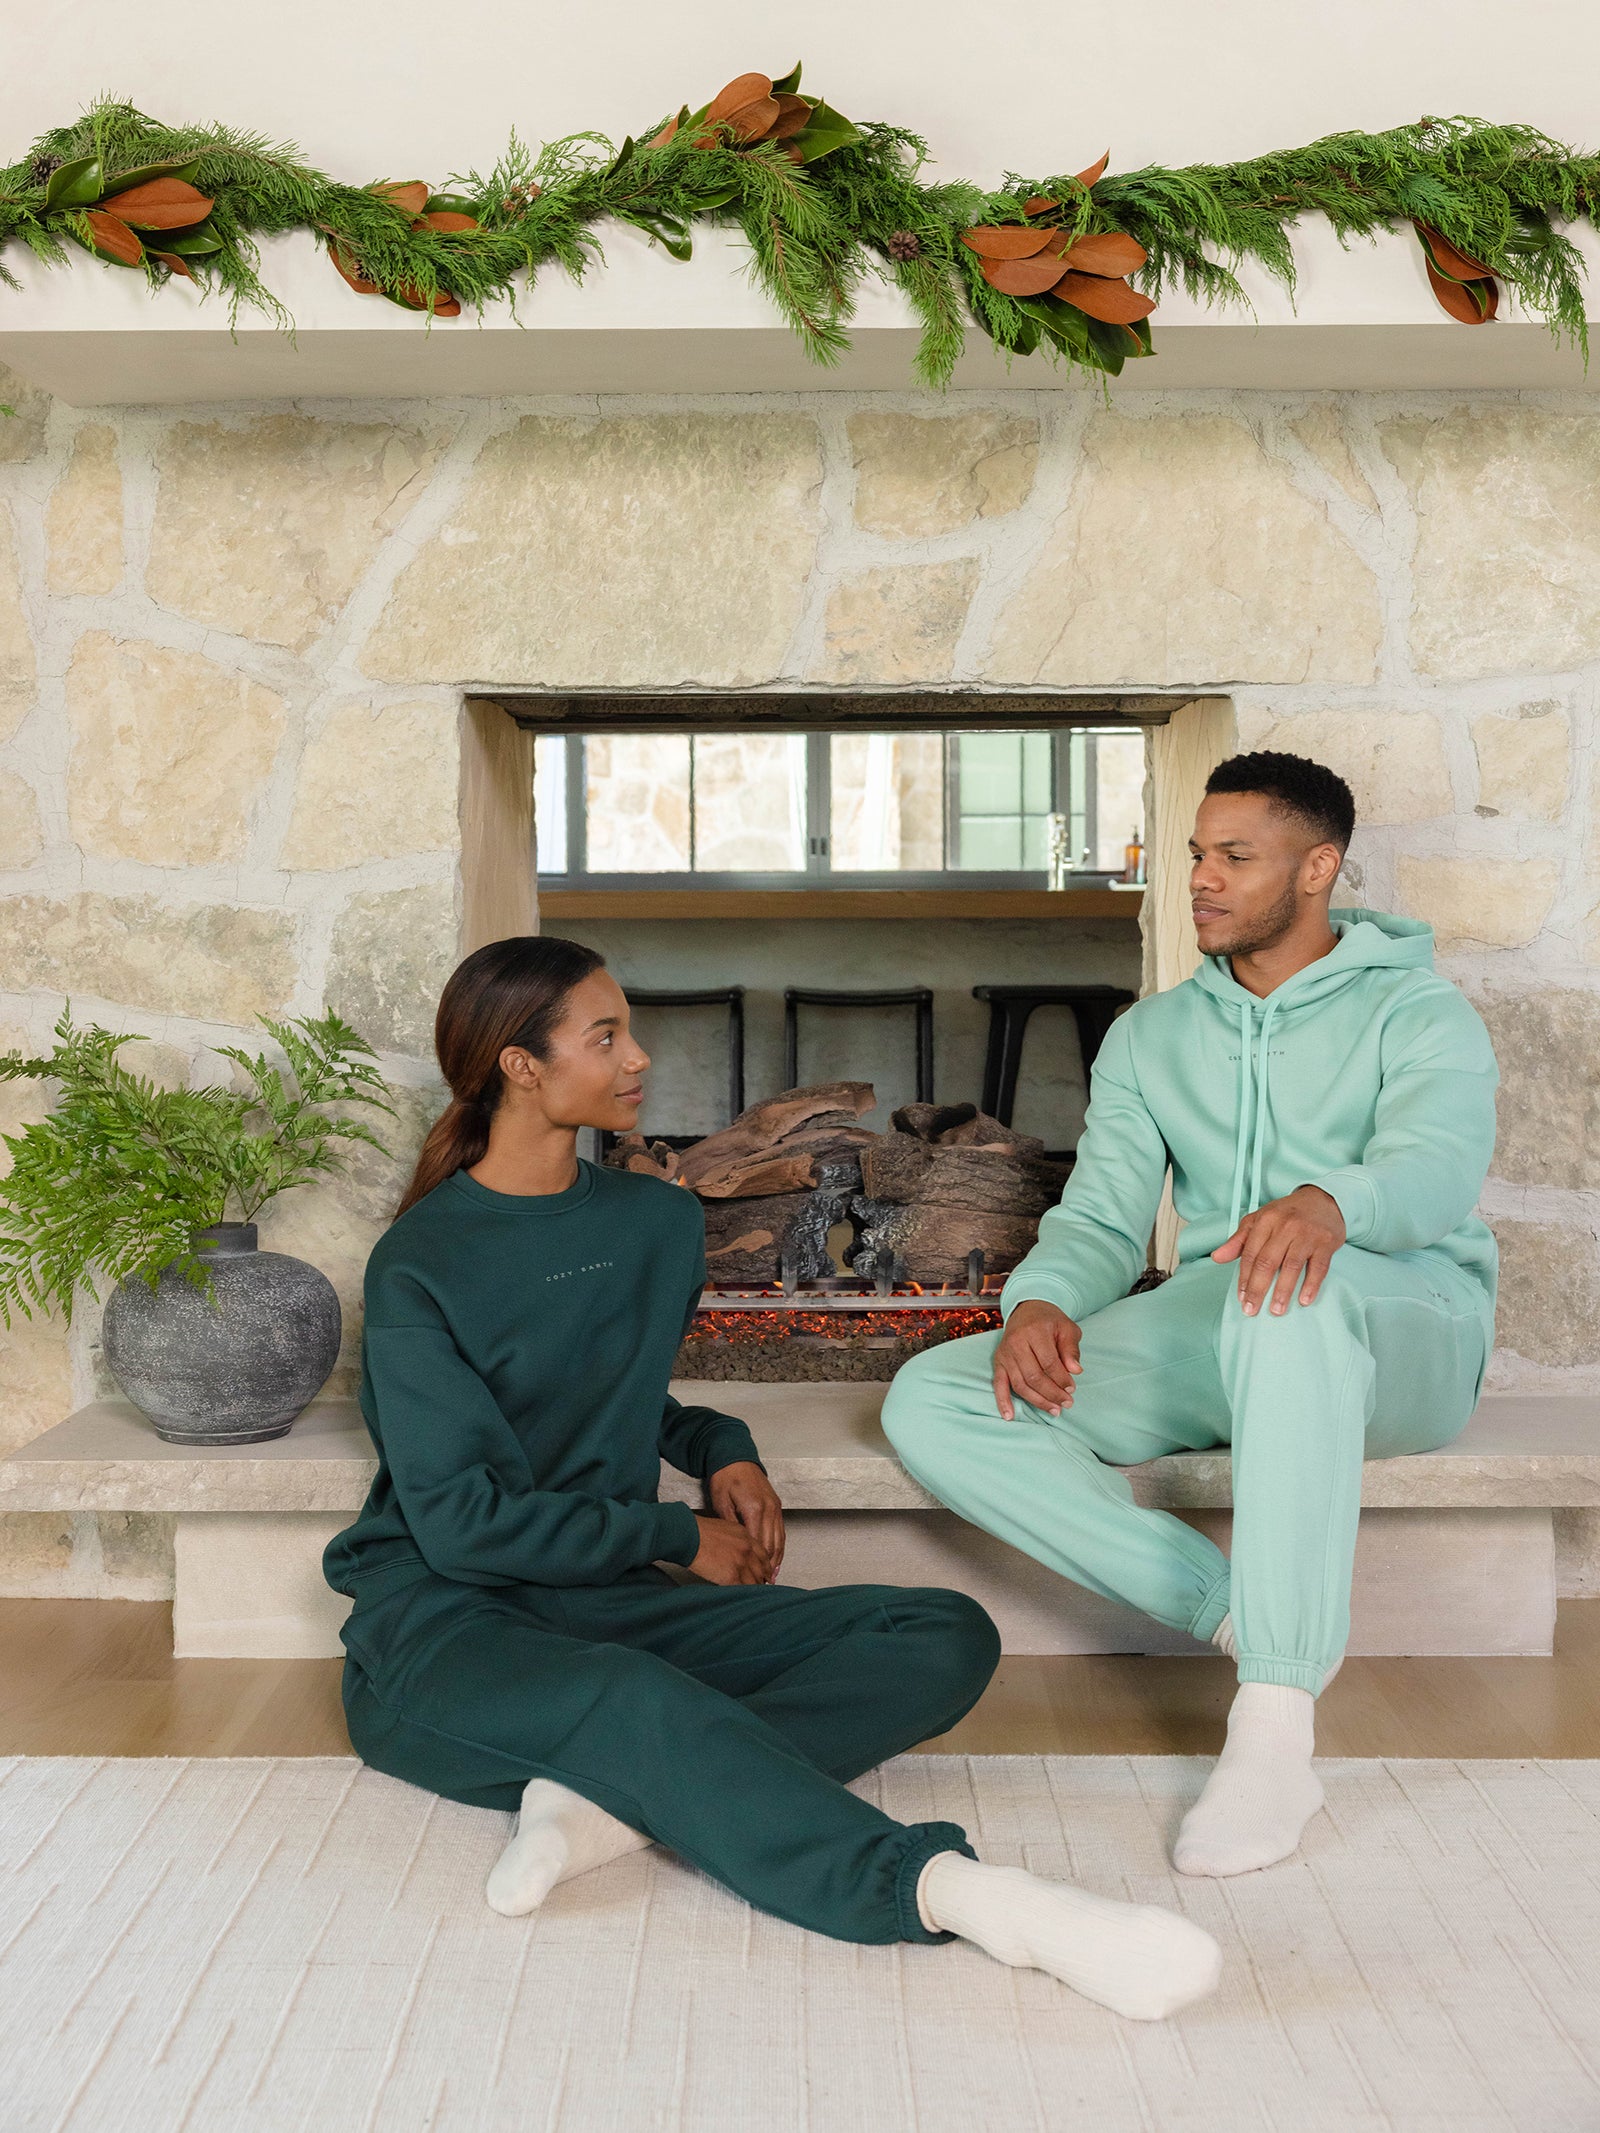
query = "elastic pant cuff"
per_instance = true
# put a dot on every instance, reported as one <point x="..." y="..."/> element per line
<point x="1209" y="1614"/>
<point x="928" y="1839"/>
<point x="1308" y="1674"/>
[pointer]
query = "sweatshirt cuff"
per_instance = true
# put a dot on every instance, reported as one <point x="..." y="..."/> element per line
<point x="1039" y="1288"/>
<point x="1352" y="1192"/>
<point x="729" y="1444"/>
<point x="677" y="1535"/>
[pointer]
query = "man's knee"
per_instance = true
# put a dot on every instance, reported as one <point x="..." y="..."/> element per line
<point x="931" y="1389"/>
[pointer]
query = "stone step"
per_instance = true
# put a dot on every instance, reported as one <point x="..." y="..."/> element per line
<point x="1456" y="1552"/>
<point x="821" y="1443"/>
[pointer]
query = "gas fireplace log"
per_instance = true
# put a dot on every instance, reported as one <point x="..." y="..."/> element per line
<point x="960" y="1126"/>
<point x="790" y="1166"/>
<point x="931" y="1244"/>
<point x="1003" y="1181"/>
<point x="653" y="1159"/>
<point x="758" y="1130"/>
<point x="747" y="1241"/>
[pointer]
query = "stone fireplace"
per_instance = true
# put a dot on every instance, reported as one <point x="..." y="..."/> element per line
<point x="256" y="753"/>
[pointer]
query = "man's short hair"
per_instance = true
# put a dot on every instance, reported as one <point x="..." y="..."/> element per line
<point x="1318" y="796"/>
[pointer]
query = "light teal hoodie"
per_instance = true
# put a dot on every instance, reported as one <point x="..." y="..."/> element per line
<point x="1365" y="1073"/>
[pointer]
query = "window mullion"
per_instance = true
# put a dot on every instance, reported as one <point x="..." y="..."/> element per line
<point x="819" y="805"/>
<point x="577" y="805"/>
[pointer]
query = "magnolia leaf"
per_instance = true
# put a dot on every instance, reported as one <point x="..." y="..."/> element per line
<point x="1112" y="302"/>
<point x="1007" y="241"/>
<point x="194" y="244"/>
<point x="617" y="161"/>
<point x="742" y="90"/>
<point x="111" y="239"/>
<point x="790" y="82"/>
<point x="447" y="220"/>
<point x="74" y="184"/>
<point x="1109" y="346"/>
<point x="1451" y="261"/>
<point x="410" y="195"/>
<point x="824" y="131"/>
<point x="1095" y="172"/>
<point x="1109" y="252"/>
<point x="175" y="265"/>
<point x="719" y="196"/>
<point x="1023" y="277"/>
<point x="1027" y="337"/>
<point x="453" y="204"/>
<point x="1470" y="303"/>
<point x="122" y="181"/>
<point x="1069" y="330"/>
<point x="161" y="204"/>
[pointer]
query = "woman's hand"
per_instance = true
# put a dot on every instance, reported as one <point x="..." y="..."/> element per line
<point x="727" y="1555"/>
<point x="1037" y="1357"/>
<point x="743" y="1493"/>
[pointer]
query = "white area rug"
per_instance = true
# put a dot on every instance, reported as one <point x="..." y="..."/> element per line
<point x="303" y="1944"/>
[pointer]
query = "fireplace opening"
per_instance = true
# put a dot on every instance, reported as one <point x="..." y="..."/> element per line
<point x="873" y="941"/>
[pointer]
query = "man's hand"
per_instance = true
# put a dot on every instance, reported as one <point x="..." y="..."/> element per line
<point x="1037" y="1359"/>
<point x="727" y="1555"/>
<point x="1282" y="1241"/>
<point x="743" y="1493"/>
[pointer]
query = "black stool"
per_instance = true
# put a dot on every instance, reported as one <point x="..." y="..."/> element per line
<point x="1094" y="1008"/>
<point x="918" y="997"/>
<point x="729" y="996"/>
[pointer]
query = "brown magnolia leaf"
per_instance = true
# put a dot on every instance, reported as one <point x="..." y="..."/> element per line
<point x="1007" y="242"/>
<point x="1106" y="252"/>
<point x="793" y="151"/>
<point x="446" y="306"/>
<point x="1023" y="277"/>
<point x="446" y="218"/>
<point x="1455" y="264"/>
<point x="1095" y="171"/>
<point x="793" y="112"/>
<point x="743" y="89"/>
<point x="113" y="237"/>
<point x="178" y="266"/>
<point x="1096" y="297"/>
<point x="1038" y="204"/>
<point x="160" y="204"/>
<point x="1471" y="303"/>
<point x="660" y="140"/>
<point x="750" y="121"/>
<point x="410" y="193"/>
<point x="345" y="262"/>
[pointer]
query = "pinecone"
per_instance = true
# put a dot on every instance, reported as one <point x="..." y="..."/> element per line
<point x="42" y="169"/>
<point x="904" y="244"/>
<point x="519" y="199"/>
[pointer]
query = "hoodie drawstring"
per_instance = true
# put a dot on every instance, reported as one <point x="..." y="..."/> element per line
<point x="1254" y="1104"/>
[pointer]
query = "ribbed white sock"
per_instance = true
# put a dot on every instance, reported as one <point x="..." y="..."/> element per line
<point x="1263" y="1791"/>
<point x="1130" y="1957"/>
<point x="1228" y="1644"/>
<point x="559" y="1833"/>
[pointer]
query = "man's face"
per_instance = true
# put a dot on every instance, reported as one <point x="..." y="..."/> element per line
<point x="1246" y="884"/>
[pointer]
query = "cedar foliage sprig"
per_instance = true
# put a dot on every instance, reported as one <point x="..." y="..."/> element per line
<point x="816" y="230"/>
<point x="121" y="1172"/>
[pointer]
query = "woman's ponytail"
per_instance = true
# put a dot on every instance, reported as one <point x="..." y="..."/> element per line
<point x="510" y="992"/>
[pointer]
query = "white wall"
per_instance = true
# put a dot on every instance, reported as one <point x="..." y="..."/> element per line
<point x="414" y="89"/>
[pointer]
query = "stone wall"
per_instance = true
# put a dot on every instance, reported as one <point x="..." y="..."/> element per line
<point x="232" y="646"/>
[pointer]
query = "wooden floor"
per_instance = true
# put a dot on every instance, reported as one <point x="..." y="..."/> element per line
<point x="97" y="1677"/>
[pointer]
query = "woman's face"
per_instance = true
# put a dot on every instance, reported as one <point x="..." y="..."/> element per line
<point x="594" y="1072"/>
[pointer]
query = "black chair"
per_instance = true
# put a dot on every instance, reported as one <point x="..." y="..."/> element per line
<point x="729" y="996"/>
<point x="1094" y="1008"/>
<point x="917" y="997"/>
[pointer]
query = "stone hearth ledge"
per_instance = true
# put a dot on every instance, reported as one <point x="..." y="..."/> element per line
<point x="821" y="1442"/>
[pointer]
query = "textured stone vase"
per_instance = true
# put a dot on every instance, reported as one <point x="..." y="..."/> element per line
<point x="233" y="1367"/>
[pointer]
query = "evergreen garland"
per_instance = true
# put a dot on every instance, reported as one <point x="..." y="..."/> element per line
<point x="822" y="203"/>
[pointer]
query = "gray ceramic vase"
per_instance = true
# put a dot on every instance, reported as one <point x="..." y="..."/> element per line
<point x="232" y="1370"/>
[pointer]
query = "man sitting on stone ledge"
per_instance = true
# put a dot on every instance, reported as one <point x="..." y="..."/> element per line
<point x="1325" y="1103"/>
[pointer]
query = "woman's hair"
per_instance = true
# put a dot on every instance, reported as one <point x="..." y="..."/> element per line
<point x="511" y="992"/>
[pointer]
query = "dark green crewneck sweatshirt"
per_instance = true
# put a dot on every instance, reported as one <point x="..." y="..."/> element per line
<point x="515" y="1363"/>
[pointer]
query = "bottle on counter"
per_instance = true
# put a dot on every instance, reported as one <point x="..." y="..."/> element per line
<point x="1133" y="858"/>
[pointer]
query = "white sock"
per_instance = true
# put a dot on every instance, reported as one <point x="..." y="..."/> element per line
<point x="1263" y="1791"/>
<point x="1131" y="1957"/>
<point x="1226" y="1642"/>
<point x="559" y="1833"/>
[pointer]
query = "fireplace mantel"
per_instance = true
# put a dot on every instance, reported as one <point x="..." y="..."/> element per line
<point x="95" y="335"/>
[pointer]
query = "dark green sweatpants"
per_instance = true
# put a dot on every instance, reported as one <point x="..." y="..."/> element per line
<point x="720" y="1720"/>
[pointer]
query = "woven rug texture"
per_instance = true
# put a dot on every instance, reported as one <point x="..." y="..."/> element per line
<point x="266" y="1946"/>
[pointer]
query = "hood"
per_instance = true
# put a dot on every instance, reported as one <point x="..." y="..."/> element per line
<point x="1367" y="940"/>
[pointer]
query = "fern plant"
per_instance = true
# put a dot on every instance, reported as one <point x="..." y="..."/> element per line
<point x="122" y="1172"/>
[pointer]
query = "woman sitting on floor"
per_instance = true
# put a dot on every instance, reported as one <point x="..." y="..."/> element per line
<point x="514" y="1643"/>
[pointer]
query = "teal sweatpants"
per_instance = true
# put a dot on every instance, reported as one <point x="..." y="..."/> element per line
<point x="721" y="1720"/>
<point x="1388" y="1359"/>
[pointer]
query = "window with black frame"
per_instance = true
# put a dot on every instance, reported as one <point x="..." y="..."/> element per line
<point x="860" y="810"/>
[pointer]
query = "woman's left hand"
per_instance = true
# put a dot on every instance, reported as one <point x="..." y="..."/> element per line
<point x="743" y="1492"/>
